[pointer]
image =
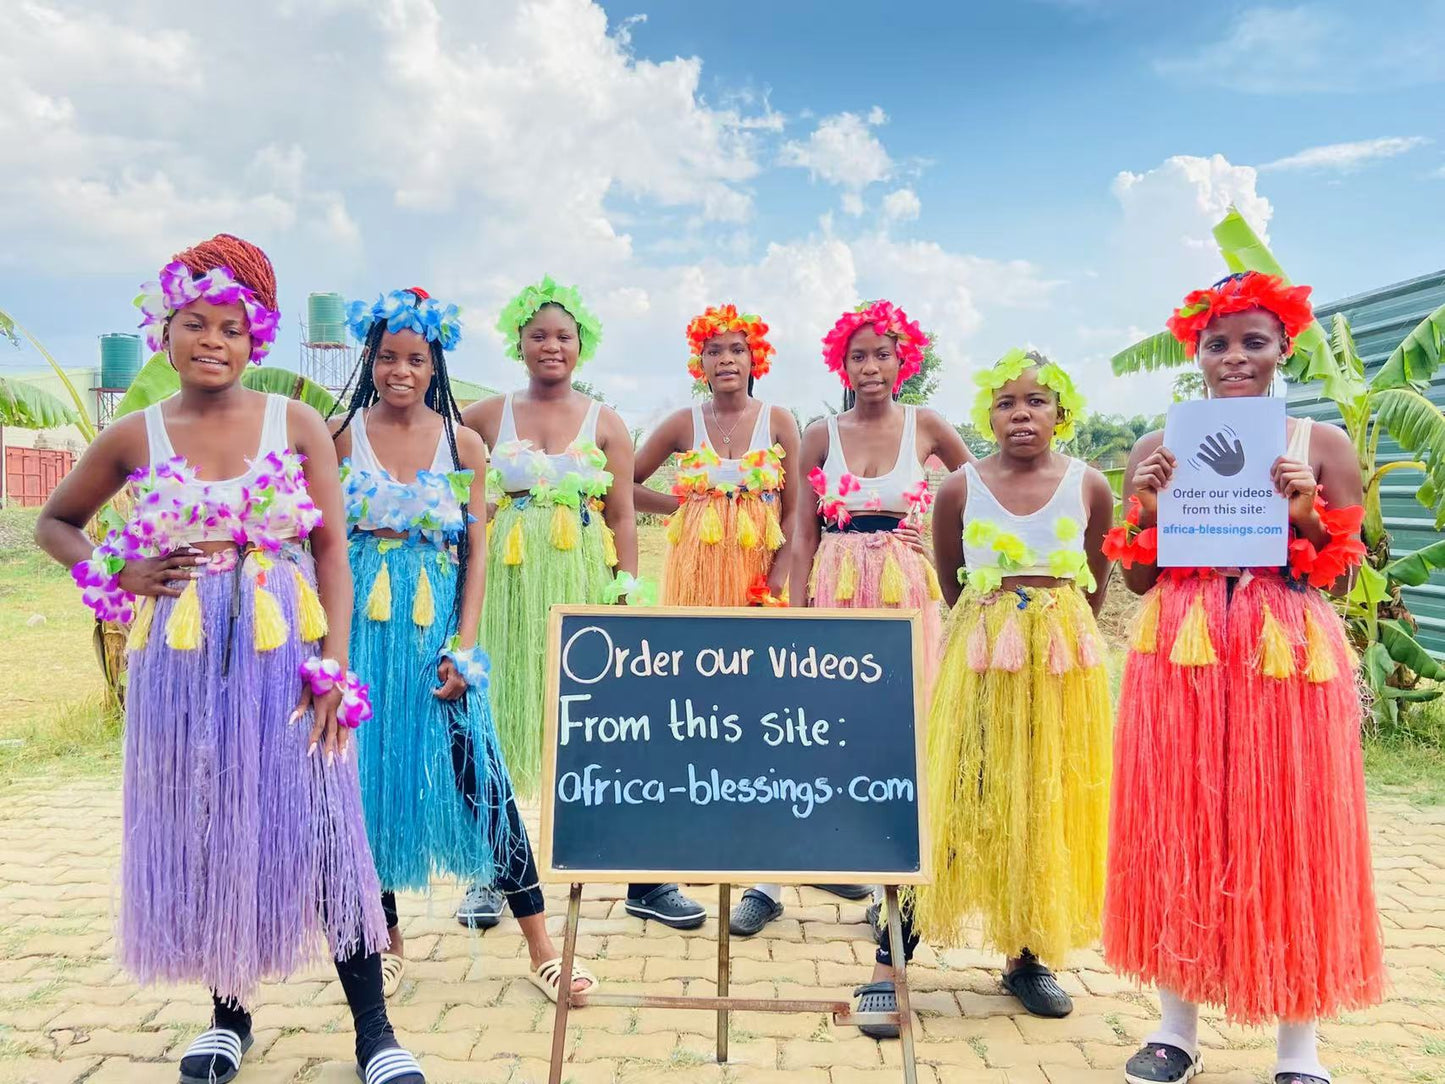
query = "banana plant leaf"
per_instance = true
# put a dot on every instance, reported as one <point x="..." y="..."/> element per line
<point x="1415" y="569"/>
<point x="1414" y="696"/>
<point x="157" y="381"/>
<point x="1415" y="360"/>
<point x="1406" y="650"/>
<point x="1161" y="351"/>
<point x="1370" y="589"/>
<point x="28" y="407"/>
<point x="1418" y="426"/>
<point x="12" y="330"/>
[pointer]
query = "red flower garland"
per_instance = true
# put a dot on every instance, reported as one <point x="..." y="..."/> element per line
<point x="1127" y="544"/>
<point x="760" y="594"/>
<point x="1251" y="290"/>
<point x="1344" y="550"/>
<point x="720" y="320"/>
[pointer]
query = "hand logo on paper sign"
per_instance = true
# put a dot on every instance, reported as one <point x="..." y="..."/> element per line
<point x="1219" y="457"/>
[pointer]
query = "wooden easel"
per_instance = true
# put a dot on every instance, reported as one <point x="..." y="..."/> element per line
<point x="722" y="1004"/>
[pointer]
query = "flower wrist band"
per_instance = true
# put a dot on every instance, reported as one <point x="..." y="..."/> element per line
<point x="323" y="675"/>
<point x="472" y="664"/>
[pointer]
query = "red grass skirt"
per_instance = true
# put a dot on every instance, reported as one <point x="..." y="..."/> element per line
<point x="1239" y="858"/>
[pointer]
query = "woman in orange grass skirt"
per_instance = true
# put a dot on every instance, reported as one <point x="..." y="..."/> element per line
<point x="1239" y="860"/>
<point x="732" y="495"/>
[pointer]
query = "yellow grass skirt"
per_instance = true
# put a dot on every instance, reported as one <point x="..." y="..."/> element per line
<point x="1019" y="763"/>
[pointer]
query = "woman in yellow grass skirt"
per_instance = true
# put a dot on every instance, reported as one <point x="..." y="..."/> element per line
<point x="1018" y="735"/>
<point x="732" y="494"/>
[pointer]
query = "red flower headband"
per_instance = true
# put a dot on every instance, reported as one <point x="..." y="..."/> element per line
<point x="886" y="319"/>
<point x="719" y="321"/>
<point x="1239" y="293"/>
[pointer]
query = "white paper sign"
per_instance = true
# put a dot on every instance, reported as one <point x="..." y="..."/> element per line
<point x="1221" y="510"/>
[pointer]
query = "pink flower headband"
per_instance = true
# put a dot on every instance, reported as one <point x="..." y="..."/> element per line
<point x="885" y="319"/>
<point x="159" y="301"/>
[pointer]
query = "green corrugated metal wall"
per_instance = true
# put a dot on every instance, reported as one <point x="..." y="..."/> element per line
<point x="1380" y="319"/>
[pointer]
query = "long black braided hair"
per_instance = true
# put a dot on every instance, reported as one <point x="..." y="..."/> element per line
<point x="439" y="398"/>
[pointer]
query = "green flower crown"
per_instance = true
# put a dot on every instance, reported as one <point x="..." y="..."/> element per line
<point x="1010" y="367"/>
<point x="521" y="309"/>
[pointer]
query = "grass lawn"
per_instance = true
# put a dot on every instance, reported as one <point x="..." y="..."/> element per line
<point x="52" y="718"/>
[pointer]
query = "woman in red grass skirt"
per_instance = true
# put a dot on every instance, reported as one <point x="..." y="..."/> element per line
<point x="1239" y="859"/>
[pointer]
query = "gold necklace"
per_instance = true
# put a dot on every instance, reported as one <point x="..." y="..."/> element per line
<point x="728" y="435"/>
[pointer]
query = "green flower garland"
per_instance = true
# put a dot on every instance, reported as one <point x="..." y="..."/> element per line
<point x="524" y="306"/>
<point x="1010" y="367"/>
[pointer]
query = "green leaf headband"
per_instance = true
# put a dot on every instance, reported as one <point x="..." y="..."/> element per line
<point x="1010" y="367"/>
<point x="520" y="310"/>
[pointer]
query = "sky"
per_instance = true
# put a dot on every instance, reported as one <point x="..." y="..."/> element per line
<point x="1041" y="173"/>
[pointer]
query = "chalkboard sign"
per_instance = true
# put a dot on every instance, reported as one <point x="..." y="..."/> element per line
<point x="729" y="745"/>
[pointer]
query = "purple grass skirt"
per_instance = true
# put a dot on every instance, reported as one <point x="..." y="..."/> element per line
<point x="240" y="853"/>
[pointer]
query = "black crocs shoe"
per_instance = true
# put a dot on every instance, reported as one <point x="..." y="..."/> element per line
<point x="666" y="904"/>
<point x="1035" y="986"/>
<point x="481" y="909"/>
<point x="880" y="996"/>
<point x="848" y="892"/>
<point x="754" y="911"/>
<point x="1160" y="1063"/>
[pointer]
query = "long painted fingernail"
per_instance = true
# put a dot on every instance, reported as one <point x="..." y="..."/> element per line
<point x="202" y="560"/>
<point x="294" y="716"/>
<point x="311" y="752"/>
<point x="330" y="758"/>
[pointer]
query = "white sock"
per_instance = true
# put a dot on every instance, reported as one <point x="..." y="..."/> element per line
<point x="1297" y="1051"/>
<point x="773" y="892"/>
<point x="1178" y="1024"/>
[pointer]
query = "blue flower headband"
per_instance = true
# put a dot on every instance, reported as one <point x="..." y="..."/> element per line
<point x="408" y="310"/>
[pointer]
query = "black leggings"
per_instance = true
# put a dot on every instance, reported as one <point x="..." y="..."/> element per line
<point x="518" y="880"/>
<point x="910" y="939"/>
<point x="360" y="975"/>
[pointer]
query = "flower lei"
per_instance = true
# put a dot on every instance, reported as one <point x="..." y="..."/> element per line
<point x="762" y="472"/>
<point x="638" y="591"/>
<point x="323" y="675"/>
<point x="163" y="514"/>
<point x="885" y="319"/>
<point x="721" y="320"/>
<point x="833" y="506"/>
<point x="761" y="594"/>
<point x="1127" y="544"/>
<point x="1239" y="293"/>
<point x="520" y="310"/>
<point x="919" y="502"/>
<point x="1344" y="550"/>
<point x="408" y="310"/>
<point x="1010" y="367"/>
<point x="570" y="488"/>
<point x="159" y="301"/>
<point x="1012" y="554"/>
<point x="473" y="664"/>
<point x="429" y="507"/>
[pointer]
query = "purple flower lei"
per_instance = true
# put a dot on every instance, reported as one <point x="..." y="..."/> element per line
<point x="323" y="675"/>
<point x="159" y="301"/>
<point x="170" y="499"/>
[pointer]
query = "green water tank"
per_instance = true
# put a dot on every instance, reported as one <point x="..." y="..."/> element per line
<point x="325" y="318"/>
<point x="120" y="360"/>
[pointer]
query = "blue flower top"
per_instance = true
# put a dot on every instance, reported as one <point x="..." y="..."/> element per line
<point x="429" y="507"/>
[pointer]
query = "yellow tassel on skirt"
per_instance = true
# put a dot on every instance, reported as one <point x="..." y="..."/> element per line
<point x="378" y="602"/>
<point x="847" y="578"/>
<point x="423" y="607"/>
<point x="935" y="592"/>
<point x="609" y="546"/>
<point x="512" y="547"/>
<point x="747" y="529"/>
<point x="773" y="533"/>
<point x="675" y="523"/>
<point x="140" y="629"/>
<point x="183" y="627"/>
<point x="711" y="531"/>
<point x="566" y="527"/>
<point x="1275" y="657"/>
<point x="309" y="612"/>
<point x="269" y="622"/>
<point x="1019" y="764"/>
<point x="1193" y="647"/>
<point x="891" y="585"/>
<point x="1146" y="630"/>
<point x="1319" y="652"/>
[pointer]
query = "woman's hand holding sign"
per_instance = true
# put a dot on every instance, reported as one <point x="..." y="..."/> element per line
<point x="1151" y="475"/>
<point x="1297" y="482"/>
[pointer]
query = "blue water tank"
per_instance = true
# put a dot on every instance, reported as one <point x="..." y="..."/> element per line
<point x="120" y="360"/>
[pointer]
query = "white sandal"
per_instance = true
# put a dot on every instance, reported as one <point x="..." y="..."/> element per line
<point x="548" y="978"/>
<point x="393" y="967"/>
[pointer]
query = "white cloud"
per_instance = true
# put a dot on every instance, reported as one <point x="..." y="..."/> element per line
<point x="1346" y="157"/>
<point x="842" y="150"/>
<point x="902" y="205"/>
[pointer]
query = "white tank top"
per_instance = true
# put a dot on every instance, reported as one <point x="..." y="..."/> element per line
<point x="730" y="471"/>
<point x="1299" y="441"/>
<point x="227" y="491"/>
<point x="363" y="456"/>
<point x="1038" y="530"/>
<point x="521" y="467"/>
<point x="885" y="493"/>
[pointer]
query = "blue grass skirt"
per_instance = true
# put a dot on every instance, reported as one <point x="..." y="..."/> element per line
<point x="418" y="752"/>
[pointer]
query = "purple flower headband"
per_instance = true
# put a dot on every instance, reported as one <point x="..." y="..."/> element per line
<point x="176" y="289"/>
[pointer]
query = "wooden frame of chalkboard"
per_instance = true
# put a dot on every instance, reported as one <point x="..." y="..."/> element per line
<point x="550" y="872"/>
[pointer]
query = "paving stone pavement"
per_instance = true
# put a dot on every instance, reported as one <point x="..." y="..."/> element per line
<point x="67" y="1014"/>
